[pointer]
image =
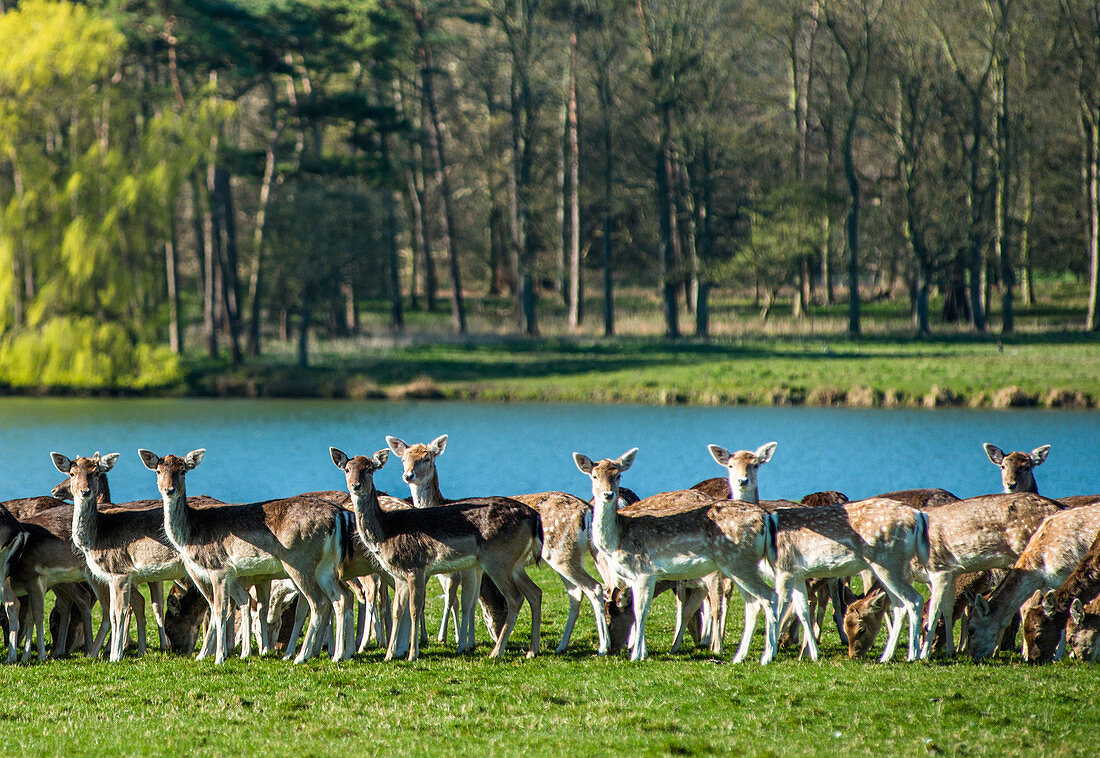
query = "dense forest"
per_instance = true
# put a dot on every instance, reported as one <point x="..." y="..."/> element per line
<point x="215" y="175"/>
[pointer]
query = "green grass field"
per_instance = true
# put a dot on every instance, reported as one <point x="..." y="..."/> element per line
<point x="570" y="705"/>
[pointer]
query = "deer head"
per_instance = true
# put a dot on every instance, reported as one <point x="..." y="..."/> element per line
<point x="1083" y="633"/>
<point x="1042" y="630"/>
<point x="1016" y="468"/>
<point x="359" y="471"/>
<point x="418" y="461"/>
<point x="983" y="632"/>
<point x="85" y="474"/>
<point x="171" y="469"/>
<point x="742" y="467"/>
<point x="863" y="620"/>
<point x="605" y="474"/>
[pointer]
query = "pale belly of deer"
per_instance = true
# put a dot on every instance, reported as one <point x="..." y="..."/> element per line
<point x="633" y="568"/>
<point x="454" y="564"/>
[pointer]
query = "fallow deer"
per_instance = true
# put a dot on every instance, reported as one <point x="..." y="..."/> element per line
<point x="497" y="536"/>
<point x="1045" y="624"/>
<point x="1055" y="549"/>
<point x="878" y="534"/>
<point x="303" y="538"/>
<point x="566" y="526"/>
<point x="12" y="538"/>
<point x="683" y="539"/>
<point x="1018" y="468"/>
<point x="1083" y="631"/>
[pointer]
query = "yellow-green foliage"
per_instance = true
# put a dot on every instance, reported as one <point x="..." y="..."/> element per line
<point x="84" y="353"/>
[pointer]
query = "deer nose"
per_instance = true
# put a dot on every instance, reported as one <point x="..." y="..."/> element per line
<point x="607" y="496"/>
<point x="408" y="476"/>
<point x="86" y="492"/>
<point x="1011" y="484"/>
<point x="743" y="481"/>
<point x="170" y="490"/>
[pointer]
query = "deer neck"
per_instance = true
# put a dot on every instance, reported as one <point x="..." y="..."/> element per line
<point x="177" y="518"/>
<point x="426" y="494"/>
<point x="104" y="492"/>
<point x="85" y="521"/>
<point x="1011" y="593"/>
<point x="605" y="526"/>
<point x="748" y="494"/>
<point x="368" y="516"/>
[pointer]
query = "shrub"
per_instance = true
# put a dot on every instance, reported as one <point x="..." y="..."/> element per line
<point x="85" y="354"/>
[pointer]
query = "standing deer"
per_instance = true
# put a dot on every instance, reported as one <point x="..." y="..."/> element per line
<point x="567" y="525"/>
<point x="682" y="539"/>
<point x="878" y="534"/>
<point x="302" y="538"/>
<point x="1055" y="549"/>
<point x="497" y="536"/>
<point x="1018" y="468"/>
<point x="1045" y="624"/>
<point x="12" y="538"/>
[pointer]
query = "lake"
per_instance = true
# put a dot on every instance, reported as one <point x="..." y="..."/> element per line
<point x="259" y="449"/>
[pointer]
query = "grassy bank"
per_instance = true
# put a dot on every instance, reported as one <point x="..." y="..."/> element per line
<point x="575" y="704"/>
<point x="1045" y="370"/>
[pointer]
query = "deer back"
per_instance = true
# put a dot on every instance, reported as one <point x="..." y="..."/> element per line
<point x="990" y="531"/>
<point x="922" y="499"/>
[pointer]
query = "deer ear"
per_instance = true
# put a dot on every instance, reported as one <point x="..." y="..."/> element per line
<point x="584" y="463"/>
<point x="764" y="452"/>
<point x="1039" y="454"/>
<point x="981" y="605"/>
<point x="1047" y="603"/>
<point x="439" y="444"/>
<point x="62" y="491"/>
<point x="339" y="457"/>
<point x="397" y="445"/>
<point x="107" y="462"/>
<point x="194" y="458"/>
<point x="626" y="460"/>
<point x="149" y="458"/>
<point x="719" y="454"/>
<point x="62" y="462"/>
<point x="878" y="603"/>
<point x="1077" y="611"/>
<point x="995" y="453"/>
<point x="380" y="458"/>
<point x="172" y="604"/>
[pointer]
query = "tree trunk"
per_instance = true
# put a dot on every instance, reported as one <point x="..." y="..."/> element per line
<point x="304" y="316"/>
<point x="255" y="285"/>
<point x="1025" y="232"/>
<point x="606" y="105"/>
<point x="576" y="283"/>
<point x="666" y="209"/>
<point x="1090" y="124"/>
<point x="226" y="229"/>
<point x="446" y="211"/>
<point x="974" y="203"/>
<point x="852" y="229"/>
<point x="520" y="181"/>
<point x="171" y="265"/>
<point x="205" y="239"/>
<point x="561" y="189"/>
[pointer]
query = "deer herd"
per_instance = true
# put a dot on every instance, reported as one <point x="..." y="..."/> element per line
<point x="990" y="562"/>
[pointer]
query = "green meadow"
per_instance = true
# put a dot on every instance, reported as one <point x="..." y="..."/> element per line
<point x="574" y="704"/>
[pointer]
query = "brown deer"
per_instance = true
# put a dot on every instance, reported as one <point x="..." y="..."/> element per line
<point x="679" y="539"/>
<point x="495" y="535"/>
<point x="878" y="534"/>
<point x="1045" y="623"/>
<point x="305" y="539"/>
<point x="124" y="545"/>
<point x="566" y="526"/>
<point x="1083" y="631"/>
<point x="1055" y="549"/>
<point x="12" y="538"/>
<point x="1018" y="468"/>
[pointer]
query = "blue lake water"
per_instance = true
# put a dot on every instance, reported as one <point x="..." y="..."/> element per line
<point x="259" y="449"/>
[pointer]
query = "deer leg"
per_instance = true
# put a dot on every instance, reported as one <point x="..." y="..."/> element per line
<point x="137" y="607"/>
<point x="385" y="613"/>
<point x="120" y="598"/>
<point x="156" y="597"/>
<point x="400" y="616"/>
<point x="800" y="603"/>
<point x="836" y="597"/>
<point x="417" y="589"/>
<point x="103" y="597"/>
<point x="753" y="606"/>
<point x="11" y="611"/>
<point x="301" y="608"/>
<point x="471" y="590"/>
<point x="38" y="610"/>
<point x="263" y="604"/>
<point x="533" y="595"/>
<point x="316" y="598"/>
<point x="643" y="598"/>
<point x="758" y="597"/>
<point x="906" y="601"/>
<point x="63" y="605"/>
<point x="574" y="593"/>
<point x="943" y="591"/>
<point x="338" y="598"/>
<point x="689" y="600"/>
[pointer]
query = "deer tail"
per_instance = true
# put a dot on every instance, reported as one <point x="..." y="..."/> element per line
<point x="771" y="538"/>
<point x="924" y="548"/>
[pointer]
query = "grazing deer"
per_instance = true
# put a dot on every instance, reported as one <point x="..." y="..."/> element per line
<point x="881" y="535"/>
<point x="678" y="539"/>
<point x="1083" y="631"/>
<point x="986" y="532"/>
<point x="303" y="538"/>
<point x="1018" y="468"/>
<point x="1055" y="549"/>
<point x="1045" y="623"/>
<point x="566" y="526"/>
<point x="496" y="535"/>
